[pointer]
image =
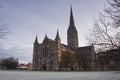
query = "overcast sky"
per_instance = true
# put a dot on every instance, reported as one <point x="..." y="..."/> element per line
<point x="26" y="18"/>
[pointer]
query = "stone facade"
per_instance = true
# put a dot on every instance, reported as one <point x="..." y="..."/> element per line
<point x="48" y="54"/>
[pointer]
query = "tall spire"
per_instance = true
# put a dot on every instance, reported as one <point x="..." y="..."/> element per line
<point x="57" y="36"/>
<point x="71" y="17"/>
<point x="36" y="40"/>
<point x="72" y="35"/>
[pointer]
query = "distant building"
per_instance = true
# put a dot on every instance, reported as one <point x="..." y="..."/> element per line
<point x="48" y="55"/>
<point x="23" y="66"/>
<point x="29" y="66"/>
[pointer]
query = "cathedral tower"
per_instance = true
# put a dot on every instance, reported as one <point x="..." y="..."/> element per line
<point x="35" y="54"/>
<point x="72" y="35"/>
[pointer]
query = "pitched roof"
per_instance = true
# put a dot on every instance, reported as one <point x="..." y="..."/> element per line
<point x="47" y="40"/>
<point x="86" y="48"/>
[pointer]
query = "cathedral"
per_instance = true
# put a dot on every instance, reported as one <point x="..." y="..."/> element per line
<point x="52" y="55"/>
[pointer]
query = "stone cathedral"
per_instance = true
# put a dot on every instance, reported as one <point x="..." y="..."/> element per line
<point x="53" y="55"/>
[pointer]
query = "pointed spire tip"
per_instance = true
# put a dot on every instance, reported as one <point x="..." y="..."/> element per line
<point x="71" y="6"/>
<point x="71" y="17"/>
<point x="36" y="40"/>
<point x="57" y="36"/>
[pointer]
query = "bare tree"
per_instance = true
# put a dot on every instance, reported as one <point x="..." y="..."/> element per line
<point x="3" y="31"/>
<point x="106" y="31"/>
<point x="114" y="12"/>
<point x="9" y="63"/>
<point x="106" y="34"/>
<point x="3" y="28"/>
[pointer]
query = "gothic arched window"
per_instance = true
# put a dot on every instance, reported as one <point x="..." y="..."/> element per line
<point x="45" y="52"/>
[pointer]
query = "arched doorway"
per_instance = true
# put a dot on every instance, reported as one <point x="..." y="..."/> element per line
<point x="71" y="68"/>
<point x="44" y="67"/>
<point x="51" y="64"/>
